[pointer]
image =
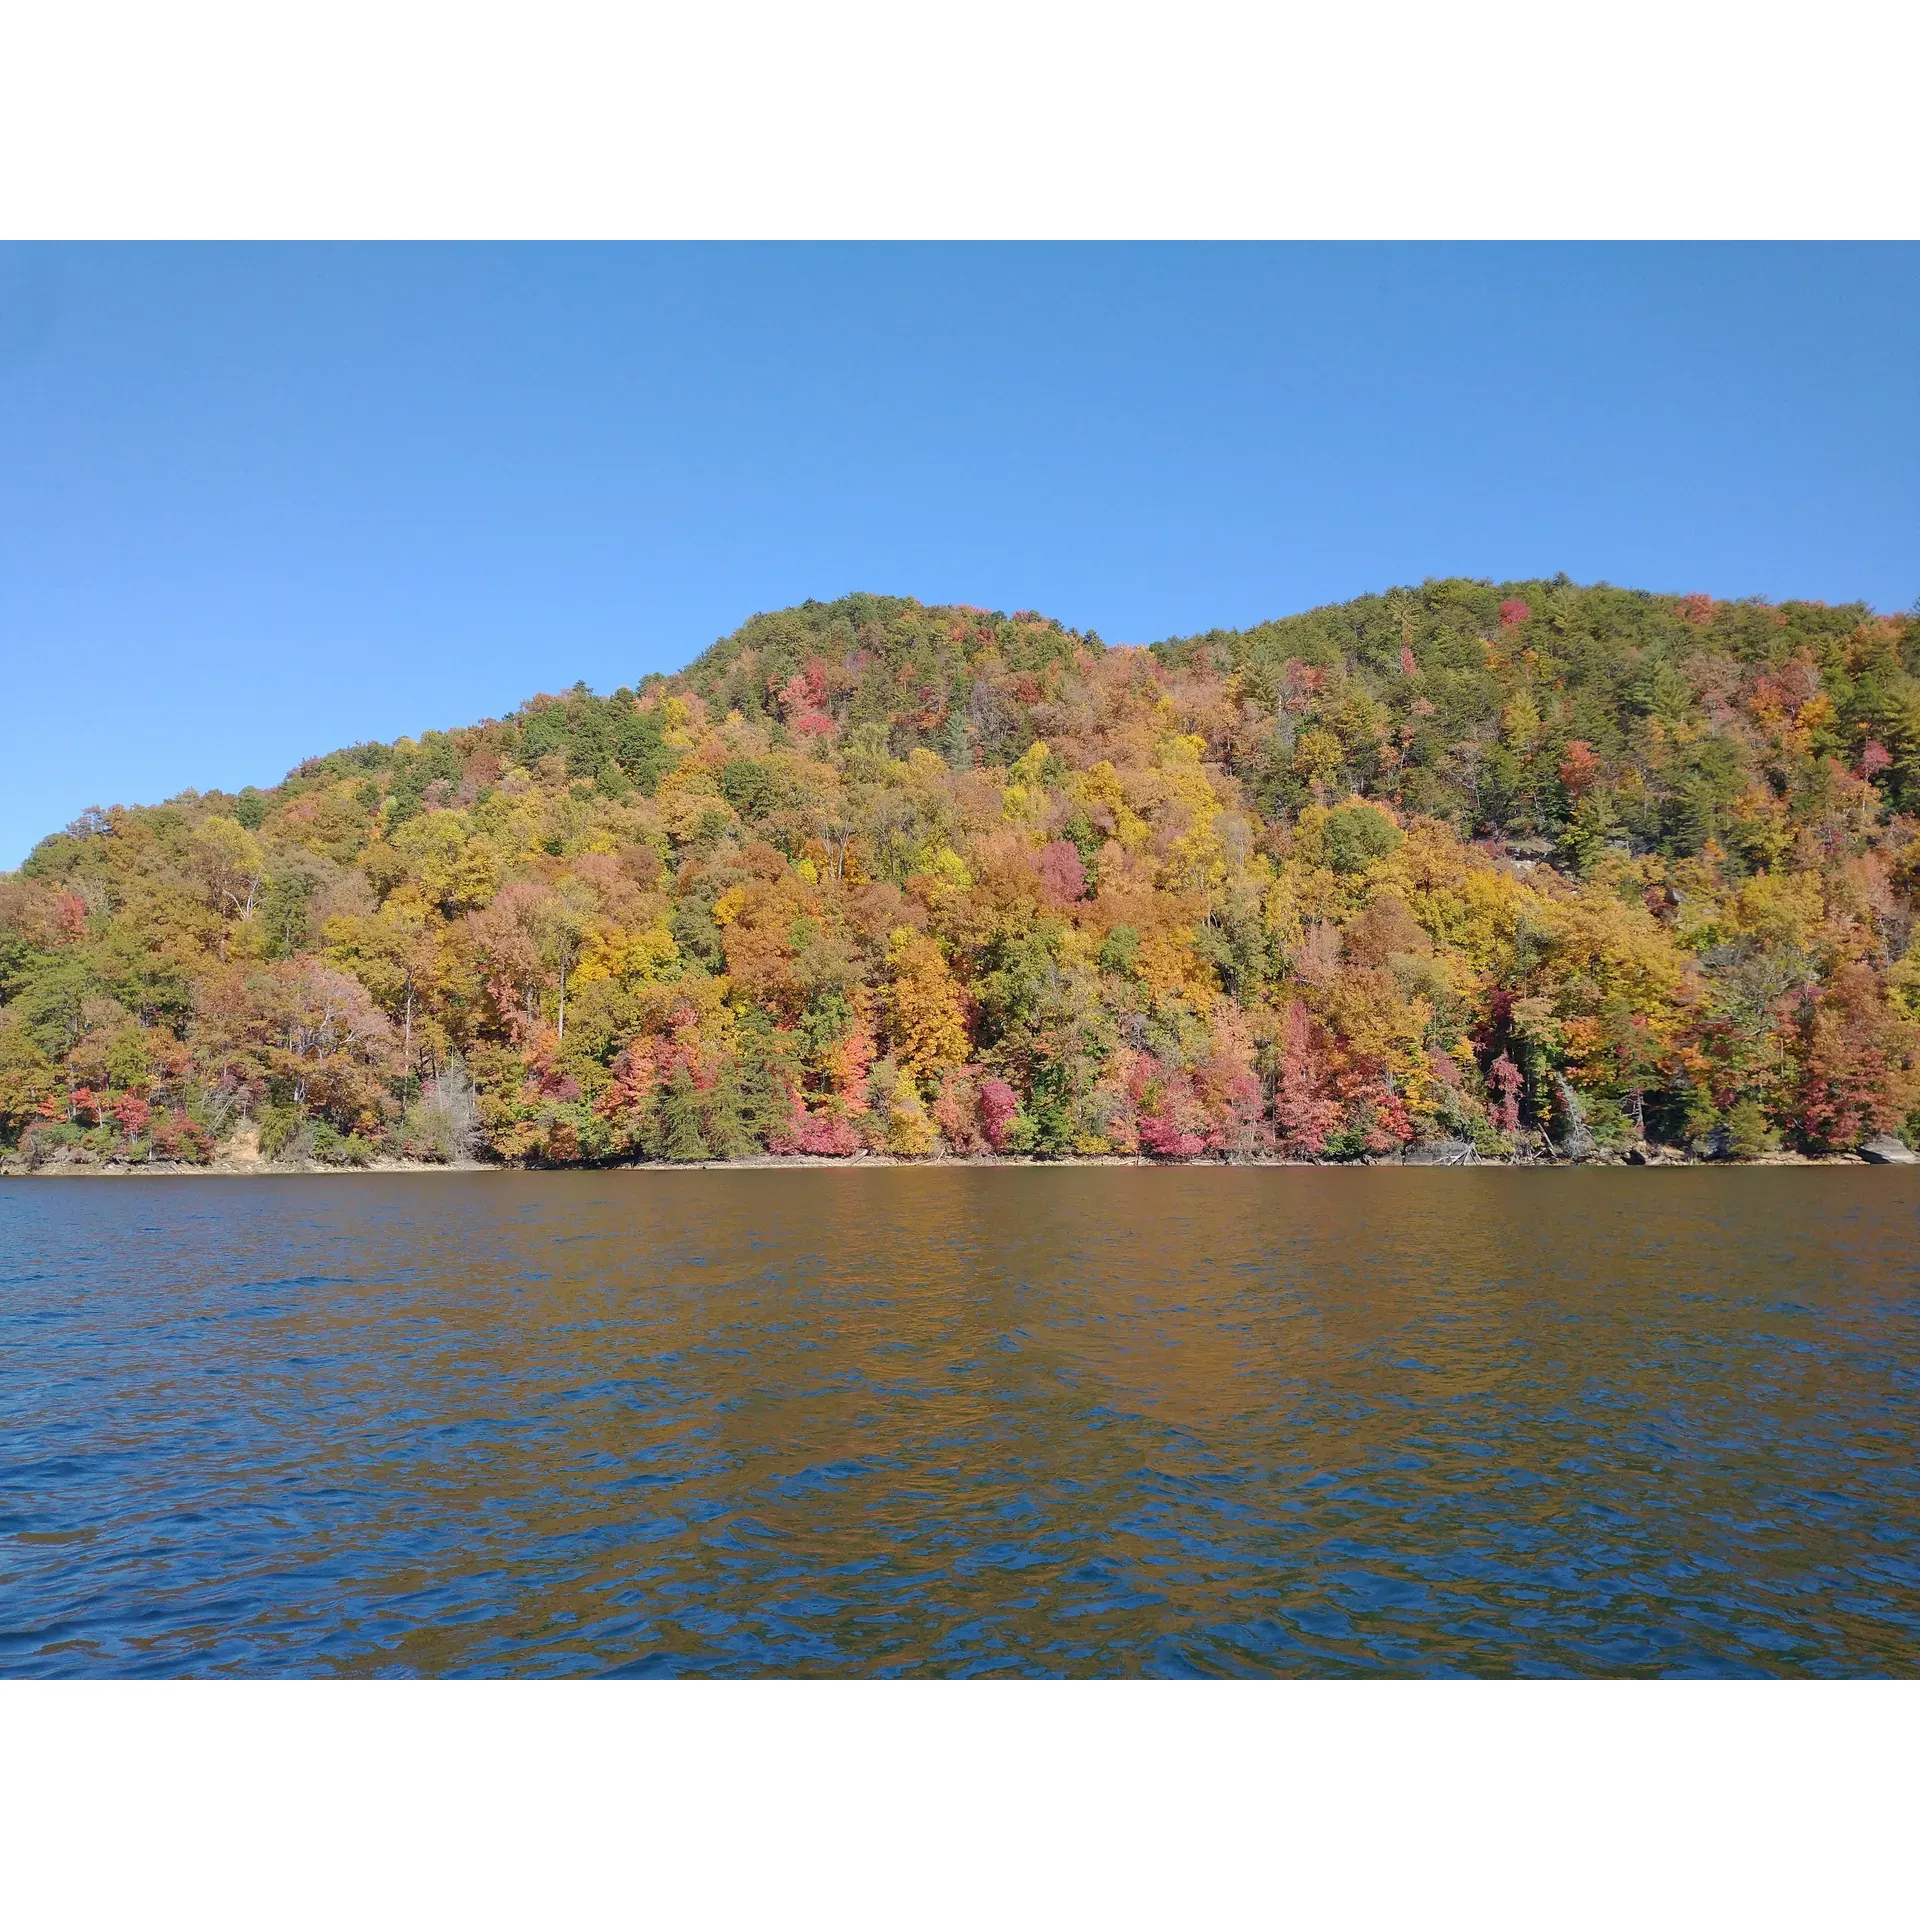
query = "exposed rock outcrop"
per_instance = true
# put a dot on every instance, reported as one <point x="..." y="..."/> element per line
<point x="1885" y="1151"/>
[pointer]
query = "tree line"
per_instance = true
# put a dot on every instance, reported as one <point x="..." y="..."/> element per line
<point x="1490" y="862"/>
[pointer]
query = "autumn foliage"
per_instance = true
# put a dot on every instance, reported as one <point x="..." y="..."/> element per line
<point x="878" y="877"/>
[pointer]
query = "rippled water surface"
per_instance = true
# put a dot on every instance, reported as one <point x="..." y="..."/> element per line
<point x="942" y="1421"/>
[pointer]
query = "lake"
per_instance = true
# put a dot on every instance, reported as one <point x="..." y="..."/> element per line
<point x="951" y="1421"/>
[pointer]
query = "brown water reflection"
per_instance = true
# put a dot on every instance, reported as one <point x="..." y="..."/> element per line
<point x="1074" y="1421"/>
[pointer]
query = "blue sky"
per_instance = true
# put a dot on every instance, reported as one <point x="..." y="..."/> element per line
<point x="260" y="502"/>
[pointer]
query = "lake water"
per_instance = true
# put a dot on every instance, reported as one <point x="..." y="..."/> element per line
<point x="932" y="1421"/>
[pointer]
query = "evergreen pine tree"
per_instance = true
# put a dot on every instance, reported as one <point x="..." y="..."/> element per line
<point x="677" y="1120"/>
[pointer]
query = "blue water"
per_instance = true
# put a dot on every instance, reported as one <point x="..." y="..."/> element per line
<point x="1071" y="1421"/>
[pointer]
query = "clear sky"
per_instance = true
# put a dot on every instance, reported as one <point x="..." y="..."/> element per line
<point x="257" y="503"/>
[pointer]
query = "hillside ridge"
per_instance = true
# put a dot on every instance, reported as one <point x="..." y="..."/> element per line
<point x="1530" y="865"/>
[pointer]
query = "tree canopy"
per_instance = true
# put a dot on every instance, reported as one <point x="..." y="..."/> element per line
<point x="1485" y="861"/>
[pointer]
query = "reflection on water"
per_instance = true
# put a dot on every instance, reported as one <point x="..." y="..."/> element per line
<point x="946" y="1421"/>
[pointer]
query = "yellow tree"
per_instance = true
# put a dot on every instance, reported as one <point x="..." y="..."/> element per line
<point x="926" y="1012"/>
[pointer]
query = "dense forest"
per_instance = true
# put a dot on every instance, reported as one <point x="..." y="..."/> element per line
<point x="1546" y="868"/>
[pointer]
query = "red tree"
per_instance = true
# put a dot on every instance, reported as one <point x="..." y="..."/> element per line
<point x="1505" y="1079"/>
<point x="1855" y="1064"/>
<point x="1304" y="1111"/>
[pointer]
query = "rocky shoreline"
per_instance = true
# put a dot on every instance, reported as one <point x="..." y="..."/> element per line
<point x="1885" y="1151"/>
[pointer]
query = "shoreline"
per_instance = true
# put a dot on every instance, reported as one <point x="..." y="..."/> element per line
<point x="767" y="1162"/>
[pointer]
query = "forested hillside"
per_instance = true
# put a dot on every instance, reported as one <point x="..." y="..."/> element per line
<point x="1485" y="862"/>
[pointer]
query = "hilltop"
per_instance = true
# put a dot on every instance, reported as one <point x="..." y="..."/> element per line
<point x="1470" y="861"/>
